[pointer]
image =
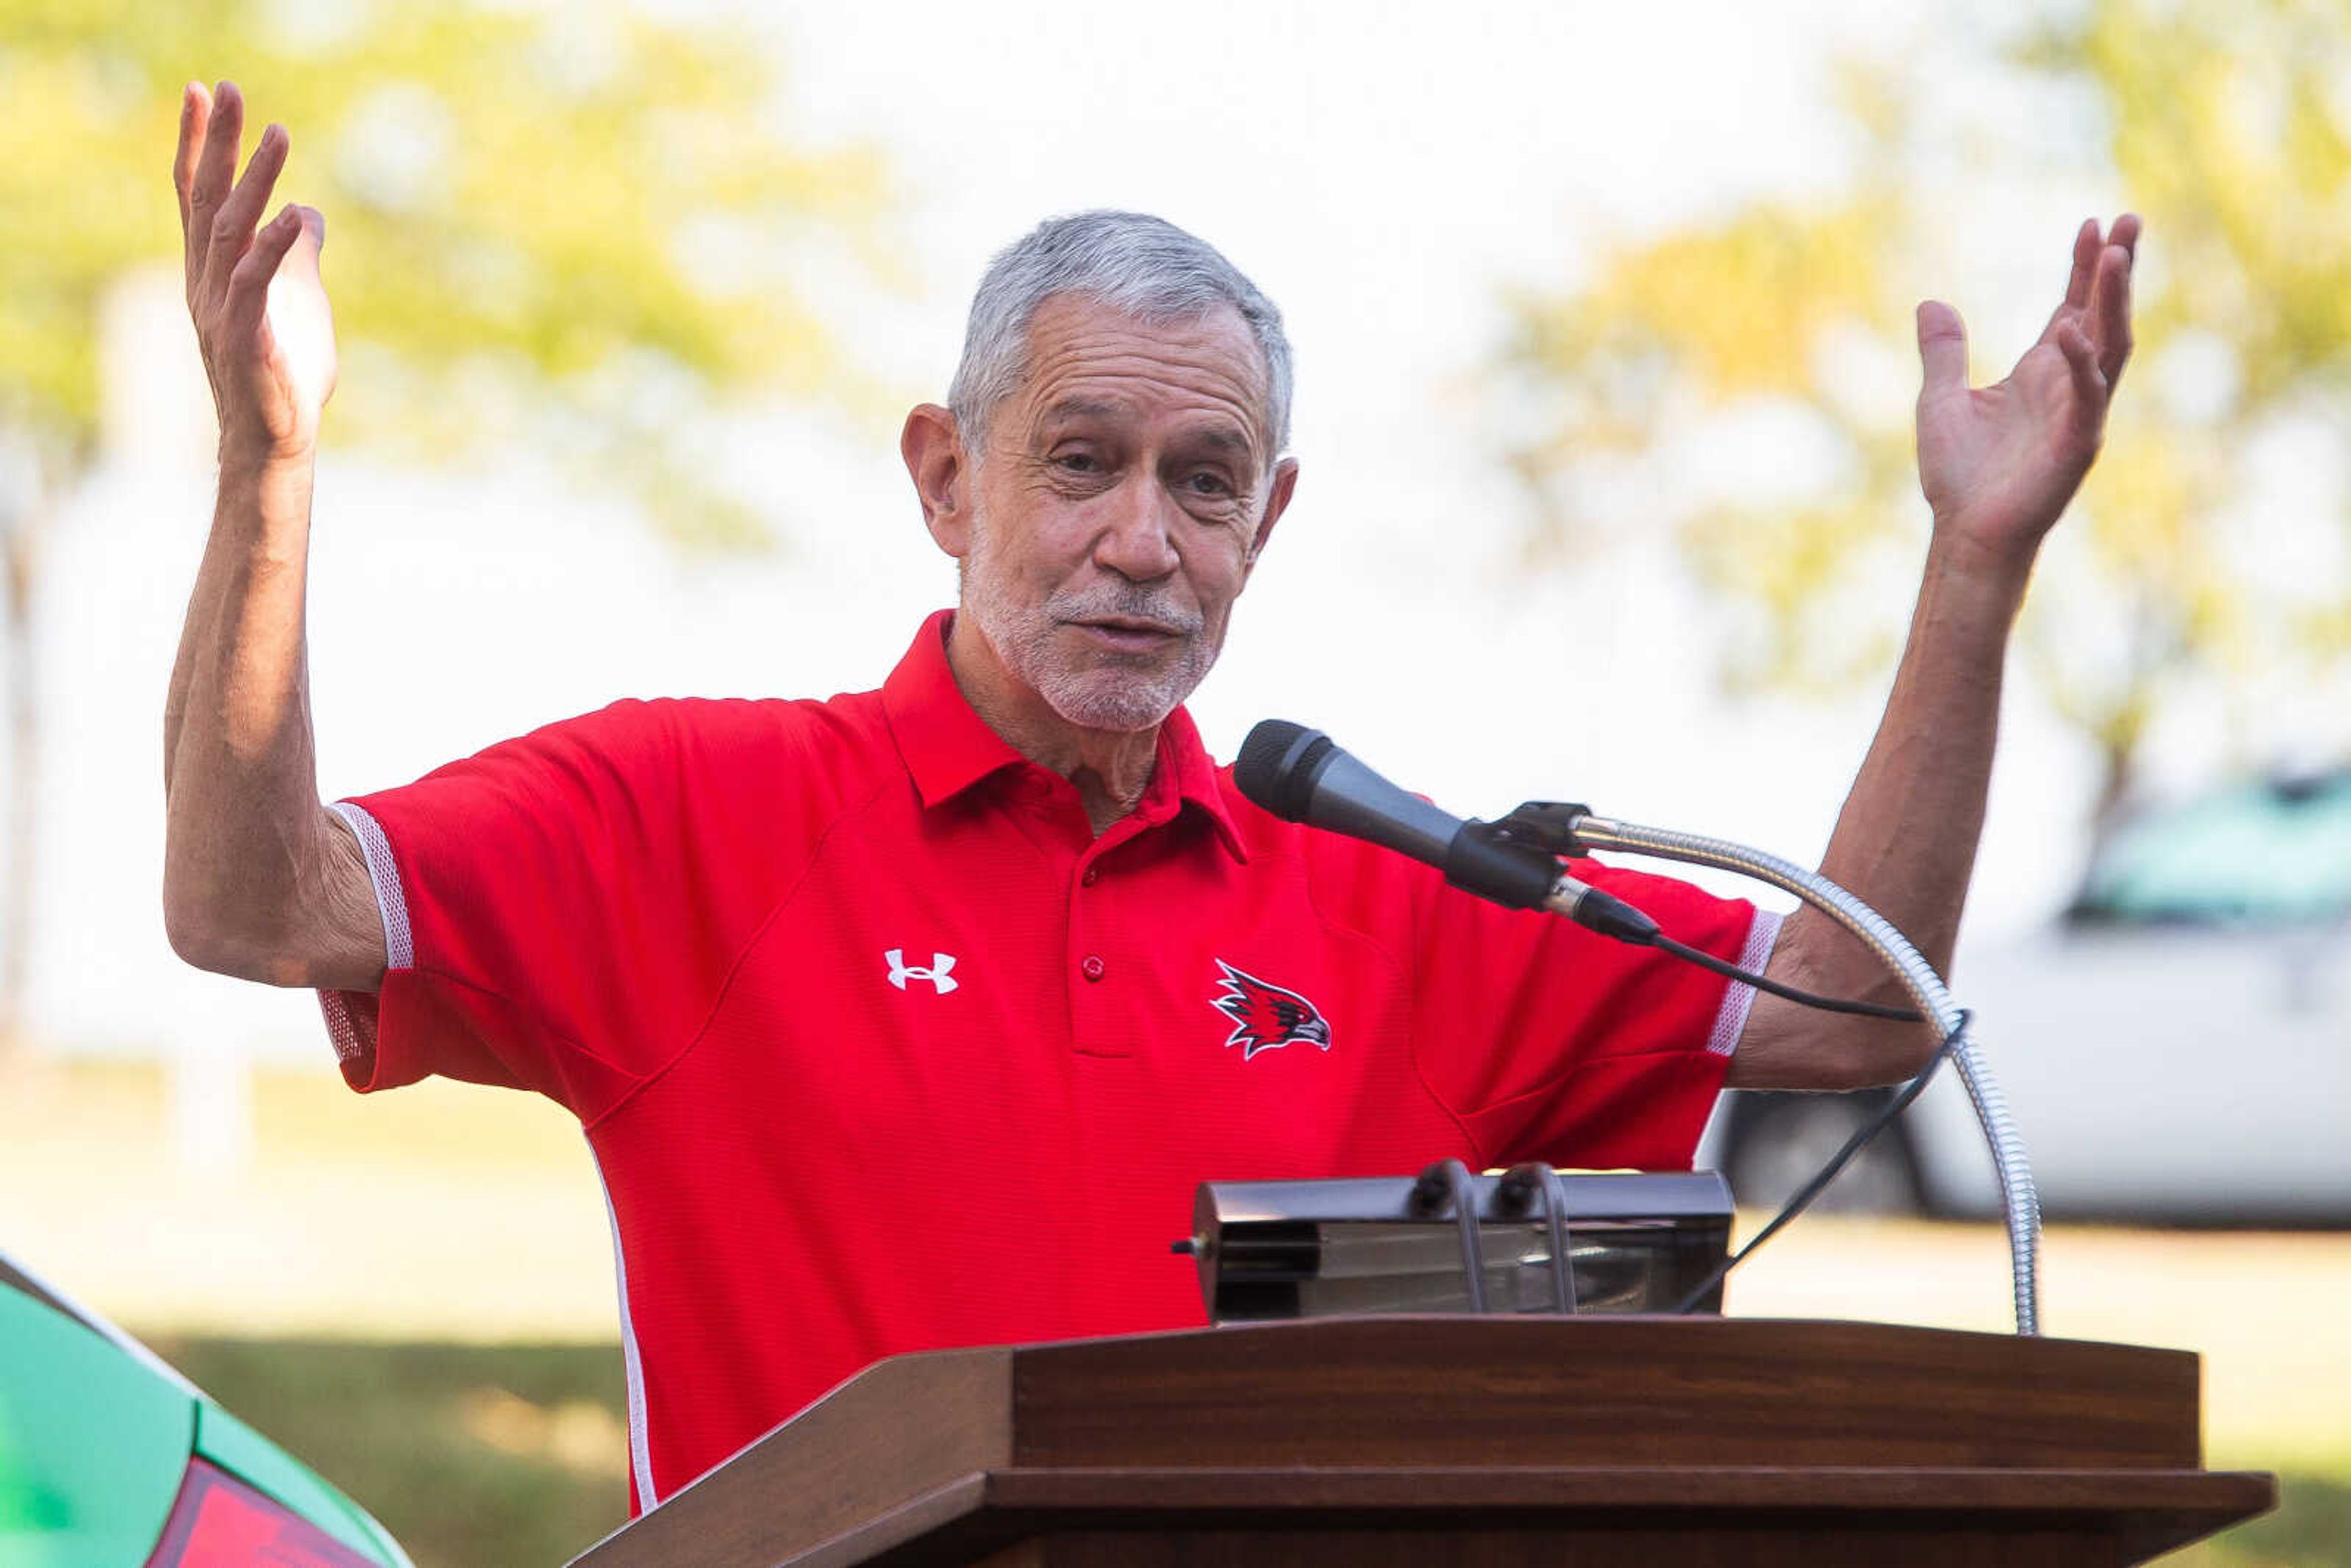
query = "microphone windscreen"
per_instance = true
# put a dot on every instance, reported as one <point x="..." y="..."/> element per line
<point x="1278" y="764"/>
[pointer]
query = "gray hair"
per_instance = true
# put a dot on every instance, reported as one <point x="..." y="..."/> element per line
<point x="1132" y="262"/>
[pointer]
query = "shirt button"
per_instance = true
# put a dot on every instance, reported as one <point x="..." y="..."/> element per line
<point x="1093" y="968"/>
<point x="1093" y="875"/>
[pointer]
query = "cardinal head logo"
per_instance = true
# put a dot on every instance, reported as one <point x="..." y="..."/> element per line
<point x="1266" y="1016"/>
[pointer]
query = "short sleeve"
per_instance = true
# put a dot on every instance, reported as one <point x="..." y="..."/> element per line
<point x="554" y="916"/>
<point x="1551" y="1042"/>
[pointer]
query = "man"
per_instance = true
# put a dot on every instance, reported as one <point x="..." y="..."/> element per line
<point x="910" y="1019"/>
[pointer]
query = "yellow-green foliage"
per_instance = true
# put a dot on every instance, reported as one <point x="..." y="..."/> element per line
<point x="513" y="197"/>
<point x="2228" y="128"/>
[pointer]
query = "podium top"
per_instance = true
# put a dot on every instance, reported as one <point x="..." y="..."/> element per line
<point x="1614" y="1395"/>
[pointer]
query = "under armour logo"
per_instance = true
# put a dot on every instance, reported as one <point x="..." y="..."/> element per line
<point x="940" y="973"/>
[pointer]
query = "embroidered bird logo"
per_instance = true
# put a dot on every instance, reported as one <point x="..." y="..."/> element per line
<point x="1266" y="1016"/>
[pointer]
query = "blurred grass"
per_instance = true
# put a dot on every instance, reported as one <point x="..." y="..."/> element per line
<point x="472" y="1456"/>
<point x="2311" y="1529"/>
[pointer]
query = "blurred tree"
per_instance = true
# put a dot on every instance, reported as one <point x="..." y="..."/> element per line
<point x="2228" y="129"/>
<point x="565" y="224"/>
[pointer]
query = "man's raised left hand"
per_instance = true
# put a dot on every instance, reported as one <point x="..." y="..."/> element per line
<point x="1998" y="464"/>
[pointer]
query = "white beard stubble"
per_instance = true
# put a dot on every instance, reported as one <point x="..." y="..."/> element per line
<point x="1109" y="695"/>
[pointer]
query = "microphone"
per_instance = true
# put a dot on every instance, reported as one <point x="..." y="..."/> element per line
<point x="1301" y="775"/>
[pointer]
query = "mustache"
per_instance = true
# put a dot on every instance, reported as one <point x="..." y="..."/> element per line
<point x="1128" y="602"/>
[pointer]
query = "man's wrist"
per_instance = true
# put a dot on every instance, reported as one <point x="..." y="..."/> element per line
<point x="264" y="500"/>
<point x="261" y="461"/>
<point x="1956" y="555"/>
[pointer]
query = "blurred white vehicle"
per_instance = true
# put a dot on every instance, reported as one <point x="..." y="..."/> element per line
<point x="2178" y="1048"/>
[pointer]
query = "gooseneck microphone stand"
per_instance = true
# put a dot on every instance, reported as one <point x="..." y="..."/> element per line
<point x="1571" y="830"/>
<point x="1299" y="775"/>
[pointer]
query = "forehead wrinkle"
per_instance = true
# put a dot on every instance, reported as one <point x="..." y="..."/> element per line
<point x="1208" y="415"/>
<point x="1213" y="432"/>
<point x="1159" y="380"/>
<point x="1079" y="405"/>
<point x="1210" y="361"/>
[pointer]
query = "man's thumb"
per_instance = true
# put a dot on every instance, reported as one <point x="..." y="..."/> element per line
<point x="1942" y="349"/>
<point x="304" y="252"/>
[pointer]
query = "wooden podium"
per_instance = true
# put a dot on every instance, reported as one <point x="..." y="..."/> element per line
<point x="1480" y="1441"/>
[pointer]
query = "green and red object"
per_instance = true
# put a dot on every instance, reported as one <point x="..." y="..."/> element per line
<point x="111" y="1459"/>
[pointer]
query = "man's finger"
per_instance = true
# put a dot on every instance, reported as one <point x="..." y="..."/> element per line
<point x="216" y="162"/>
<point x="195" y="110"/>
<point x="2112" y="315"/>
<point x="233" y="225"/>
<point x="2090" y="384"/>
<point x="309" y="241"/>
<point x="2125" y="233"/>
<point x="247" y="290"/>
<point x="2085" y="263"/>
<point x="1942" y="350"/>
<point x="216" y="166"/>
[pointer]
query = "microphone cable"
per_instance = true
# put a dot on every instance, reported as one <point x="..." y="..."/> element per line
<point x="1704" y="960"/>
<point x="1836" y="1166"/>
<point x="1629" y="925"/>
<point x="1612" y="917"/>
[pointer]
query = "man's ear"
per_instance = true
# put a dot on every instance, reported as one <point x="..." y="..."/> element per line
<point x="932" y="445"/>
<point x="1276" y="501"/>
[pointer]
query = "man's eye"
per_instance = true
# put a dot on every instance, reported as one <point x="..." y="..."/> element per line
<point x="1078" y="463"/>
<point x="1206" y="484"/>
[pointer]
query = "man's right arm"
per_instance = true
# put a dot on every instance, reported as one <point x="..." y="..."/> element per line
<point x="260" y="880"/>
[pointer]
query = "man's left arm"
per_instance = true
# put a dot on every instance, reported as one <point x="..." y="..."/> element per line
<point x="1998" y="466"/>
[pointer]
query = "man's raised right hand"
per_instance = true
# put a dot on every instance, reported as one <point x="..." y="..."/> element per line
<point x="261" y="314"/>
<point x="259" y="879"/>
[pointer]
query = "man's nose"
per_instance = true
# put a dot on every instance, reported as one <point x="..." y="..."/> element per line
<point x="1138" y="537"/>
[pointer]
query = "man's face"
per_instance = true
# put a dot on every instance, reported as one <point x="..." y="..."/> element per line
<point x="1118" y="506"/>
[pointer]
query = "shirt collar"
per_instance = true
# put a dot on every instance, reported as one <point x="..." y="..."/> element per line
<point x="948" y="747"/>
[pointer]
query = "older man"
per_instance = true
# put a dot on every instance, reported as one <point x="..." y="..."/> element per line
<point x="909" y="1018"/>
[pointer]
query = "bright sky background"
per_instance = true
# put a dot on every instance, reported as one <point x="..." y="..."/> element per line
<point x="1383" y="171"/>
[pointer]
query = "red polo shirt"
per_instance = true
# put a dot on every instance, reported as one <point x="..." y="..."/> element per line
<point x="880" y="1048"/>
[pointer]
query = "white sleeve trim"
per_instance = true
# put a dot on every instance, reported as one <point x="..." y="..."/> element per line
<point x="342" y="1028"/>
<point x="351" y="1041"/>
<point x="383" y="874"/>
<point x="1731" y="1021"/>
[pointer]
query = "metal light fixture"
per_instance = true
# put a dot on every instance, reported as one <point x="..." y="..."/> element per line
<point x="1529" y="1240"/>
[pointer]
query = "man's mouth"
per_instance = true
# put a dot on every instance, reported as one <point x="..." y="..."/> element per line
<point x="1129" y="633"/>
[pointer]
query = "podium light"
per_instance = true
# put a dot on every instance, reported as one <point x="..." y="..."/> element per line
<point x="1633" y="1241"/>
